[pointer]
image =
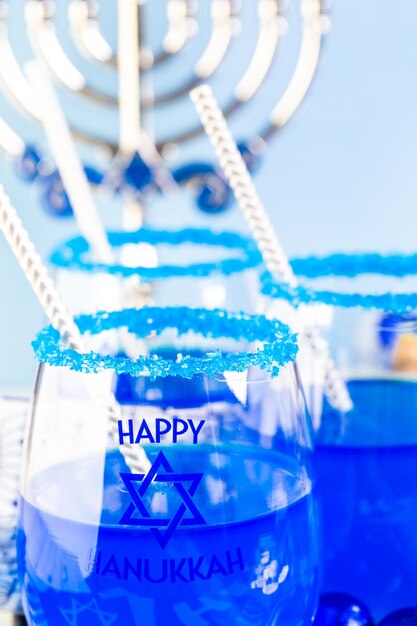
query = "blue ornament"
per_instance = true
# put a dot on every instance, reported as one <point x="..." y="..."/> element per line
<point x="191" y="172"/>
<point x="403" y="617"/>
<point x="138" y="174"/>
<point x="94" y="176"/>
<point x="31" y="166"/>
<point x="251" y="152"/>
<point x="54" y="198"/>
<point x="341" y="609"/>
<point x="389" y="325"/>
<point x="213" y="194"/>
<point x="28" y="164"/>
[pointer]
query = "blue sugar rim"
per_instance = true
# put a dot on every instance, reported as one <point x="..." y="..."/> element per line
<point x="279" y="343"/>
<point x="72" y="253"/>
<point x="350" y="266"/>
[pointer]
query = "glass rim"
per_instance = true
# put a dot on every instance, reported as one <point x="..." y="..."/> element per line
<point x="279" y="343"/>
<point x="71" y="253"/>
<point x="348" y="266"/>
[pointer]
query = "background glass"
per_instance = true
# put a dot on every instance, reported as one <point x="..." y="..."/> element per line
<point x="368" y="498"/>
<point x="202" y="268"/>
<point x="366" y="459"/>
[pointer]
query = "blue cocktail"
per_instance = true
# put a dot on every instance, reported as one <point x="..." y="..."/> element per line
<point x="218" y="524"/>
<point x="369" y="497"/>
<point x="366" y="460"/>
<point x="237" y="563"/>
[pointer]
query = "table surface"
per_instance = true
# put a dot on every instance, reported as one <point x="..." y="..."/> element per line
<point x="10" y="619"/>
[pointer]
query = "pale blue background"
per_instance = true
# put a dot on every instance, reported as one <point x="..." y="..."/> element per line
<point x="342" y="175"/>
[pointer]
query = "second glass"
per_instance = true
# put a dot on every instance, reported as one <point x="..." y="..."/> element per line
<point x="366" y="460"/>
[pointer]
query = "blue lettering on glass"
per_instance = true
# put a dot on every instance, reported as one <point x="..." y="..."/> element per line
<point x="178" y="481"/>
<point x="145" y="433"/>
<point x="182" y="570"/>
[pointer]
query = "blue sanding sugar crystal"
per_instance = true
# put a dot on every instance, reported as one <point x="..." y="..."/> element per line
<point x="277" y="344"/>
<point x="341" y="609"/>
<point x="73" y="254"/>
<point x="350" y="266"/>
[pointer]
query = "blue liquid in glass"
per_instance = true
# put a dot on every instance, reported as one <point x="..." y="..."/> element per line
<point x="254" y="562"/>
<point x="367" y="486"/>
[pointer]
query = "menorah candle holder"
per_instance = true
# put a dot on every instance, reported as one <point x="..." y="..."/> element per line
<point x="272" y="26"/>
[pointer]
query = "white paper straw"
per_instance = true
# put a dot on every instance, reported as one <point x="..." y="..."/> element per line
<point x="69" y="163"/>
<point x="58" y="315"/>
<point x="277" y="263"/>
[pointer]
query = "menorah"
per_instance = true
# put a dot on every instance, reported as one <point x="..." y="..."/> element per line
<point x="138" y="158"/>
<point x="140" y="161"/>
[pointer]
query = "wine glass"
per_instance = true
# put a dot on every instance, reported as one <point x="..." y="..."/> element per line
<point x="366" y="460"/>
<point x="189" y="266"/>
<point x="217" y="269"/>
<point x="13" y="417"/>
<point x="197" y="507"/>
<point x="299" y="316"/>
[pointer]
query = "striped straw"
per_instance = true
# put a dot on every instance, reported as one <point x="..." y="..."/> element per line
<point x="276" y="261"/>
<point x="58" y="315"/>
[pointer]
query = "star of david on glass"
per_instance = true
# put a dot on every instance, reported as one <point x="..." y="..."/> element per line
<point x="186" y="485"/>
<point x="77" y="608"/>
